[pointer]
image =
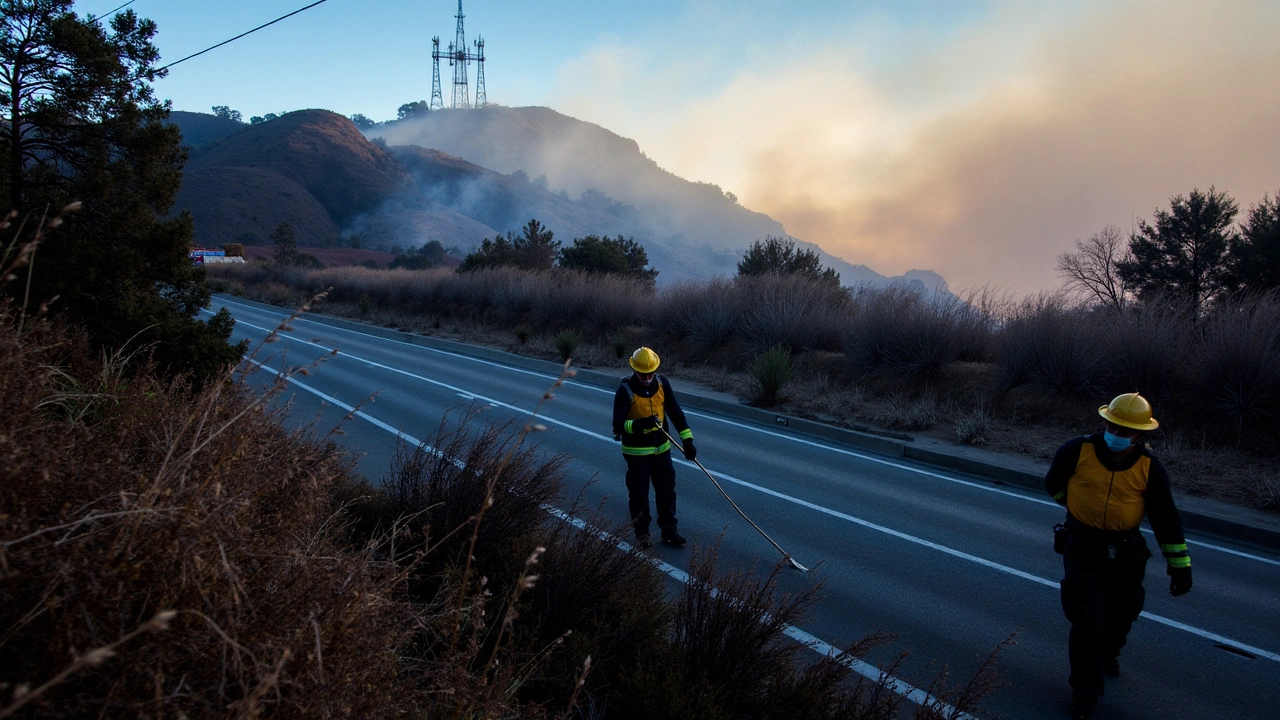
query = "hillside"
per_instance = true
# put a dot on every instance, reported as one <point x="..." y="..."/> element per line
<point x="462" y="176"/>
<point x="199" y="129"/>
<point x="321" y="151"/>
<point x="313" y="170"/>
<point x="231" y="202"/>
<point x="691" y="229"/>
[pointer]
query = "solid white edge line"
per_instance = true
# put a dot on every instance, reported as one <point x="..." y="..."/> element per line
<point x="803" y="441"/>
<point x="819" y="508"/>
<point x="863" y="668"/>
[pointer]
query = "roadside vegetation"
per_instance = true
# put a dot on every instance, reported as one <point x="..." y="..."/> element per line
<point x="172" y="550"/>
<point x="980" y="368"/>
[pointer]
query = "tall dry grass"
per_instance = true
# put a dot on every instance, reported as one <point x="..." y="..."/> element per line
<point x="129" y="504"/>
<point x="897" y="331"/>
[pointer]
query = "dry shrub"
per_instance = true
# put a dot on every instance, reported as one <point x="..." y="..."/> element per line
<point x="901" y="332"/>
<point x="1050" y="343"/>
<point x="1144" y="345"/>
<point x="972" y="426"/>
<point x="908" y="411"/>
<point x="126" y="498"/>
<point x="1236" y="371"/>
<point x="704" y="315"/>
<point x="591" y="302"/>
<point x="729" y="657"/>
<point x="596" y="303"/>
<point x="470" y="494"/>
<point x="591" y="601"/>
<point x="792" y="311"/>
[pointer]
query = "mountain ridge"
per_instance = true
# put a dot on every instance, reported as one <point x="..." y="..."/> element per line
<point x="462" y="176"/>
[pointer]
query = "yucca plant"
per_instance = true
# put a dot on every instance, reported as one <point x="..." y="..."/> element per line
<point x="771" y="371"/>
<point x="566" y="342"/>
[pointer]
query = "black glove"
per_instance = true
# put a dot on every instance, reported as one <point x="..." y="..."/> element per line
<point x="690" y="451"/>
<point x="1179" y="580"/>
<point x="644" y="423"/>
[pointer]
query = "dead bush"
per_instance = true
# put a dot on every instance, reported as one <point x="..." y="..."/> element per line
<point x="1050" y="343"/>
<point x="165" y="552"/>
<point x="794" y="312"/>
<point x="1236" y="369"/>
<point x="705" y="316"/>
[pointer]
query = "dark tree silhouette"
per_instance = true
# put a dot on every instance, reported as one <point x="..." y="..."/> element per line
<point x="780" y="256"/>
<point x="82" y="123"/>
<point x="1184" y="253"/>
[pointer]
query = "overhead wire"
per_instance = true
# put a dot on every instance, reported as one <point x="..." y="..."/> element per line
<point x="247" y="32"/>
<point x="113" y="12"/>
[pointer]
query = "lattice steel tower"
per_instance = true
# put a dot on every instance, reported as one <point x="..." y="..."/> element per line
<point x="459" y="57"/>
<point x="437" y="102"/>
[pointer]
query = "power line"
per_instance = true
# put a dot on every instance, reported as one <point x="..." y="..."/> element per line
<point x="248" y="32"/>
<point x="113" y="12"/>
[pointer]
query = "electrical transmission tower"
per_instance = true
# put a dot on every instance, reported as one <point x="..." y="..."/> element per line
<point x="437" y="102"/>
<point x="459" y="57"/>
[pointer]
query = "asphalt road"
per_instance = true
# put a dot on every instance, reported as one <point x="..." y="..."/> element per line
<point x="952" y="564"/>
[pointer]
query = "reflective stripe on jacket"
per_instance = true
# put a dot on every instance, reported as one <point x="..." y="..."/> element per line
<point x="634" y="401"/>
<point x="1108" y="492"/>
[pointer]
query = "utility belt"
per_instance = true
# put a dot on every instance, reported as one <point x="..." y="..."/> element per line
<point x="1116" y="543"/>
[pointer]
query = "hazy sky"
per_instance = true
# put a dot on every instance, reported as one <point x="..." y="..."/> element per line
<point x="976" y="139"/>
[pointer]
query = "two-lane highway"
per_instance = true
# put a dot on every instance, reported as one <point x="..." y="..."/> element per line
<point x="952" y="564"/>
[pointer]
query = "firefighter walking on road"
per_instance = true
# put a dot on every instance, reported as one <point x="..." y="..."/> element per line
<point x="1107" y="481"/>
<point x="642" y="407"/>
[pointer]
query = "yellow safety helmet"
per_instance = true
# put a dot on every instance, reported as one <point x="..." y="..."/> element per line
<point x="644" y="361"/>
<point x="1130" y="410"/>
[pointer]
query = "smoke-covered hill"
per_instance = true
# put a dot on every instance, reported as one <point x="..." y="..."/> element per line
<point x="462" y="176"/>
<point x="690" y="229"/>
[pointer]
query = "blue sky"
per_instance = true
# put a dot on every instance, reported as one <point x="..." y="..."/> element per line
<point x="977" y="139"/>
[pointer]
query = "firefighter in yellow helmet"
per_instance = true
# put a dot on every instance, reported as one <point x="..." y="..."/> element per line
<point x="644" y="403"/>
<point x="1107" y="481"/>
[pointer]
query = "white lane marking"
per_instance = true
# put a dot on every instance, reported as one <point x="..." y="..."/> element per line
<point x="836" y="513"/>
<point x="808" y="640"/>
<point x="865" y="669"/>
<point x="792" y="438"/>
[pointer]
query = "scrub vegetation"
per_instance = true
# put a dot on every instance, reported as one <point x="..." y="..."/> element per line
<point x="172" y="550"/>
<point x="880" y="360"/>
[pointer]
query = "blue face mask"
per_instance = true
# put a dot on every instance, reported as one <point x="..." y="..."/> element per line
<point x="1115" y="442"/>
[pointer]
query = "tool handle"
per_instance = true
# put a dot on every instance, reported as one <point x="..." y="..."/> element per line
<point x="785" y="555"/>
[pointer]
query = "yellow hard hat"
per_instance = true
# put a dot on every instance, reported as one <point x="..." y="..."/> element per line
<point x="644" y="361"/>
<point x="1130" y="410"/>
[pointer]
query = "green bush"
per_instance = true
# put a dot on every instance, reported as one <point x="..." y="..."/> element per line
<point x="522" y="333"/>
<point x="770" y="372"/>
<point x="566" y="343"/>
<point x="620" y="348"/>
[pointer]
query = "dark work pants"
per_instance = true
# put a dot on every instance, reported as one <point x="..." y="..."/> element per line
<point x="641" y="470"/>
<point x="1101" y="597"/>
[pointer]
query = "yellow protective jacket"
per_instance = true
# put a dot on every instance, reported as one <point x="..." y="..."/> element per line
<point x="633" y="401"/>
<point x="1109" y="492"/>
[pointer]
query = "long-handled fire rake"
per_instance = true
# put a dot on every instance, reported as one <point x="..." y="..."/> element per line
<point x="785" y="555"/>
